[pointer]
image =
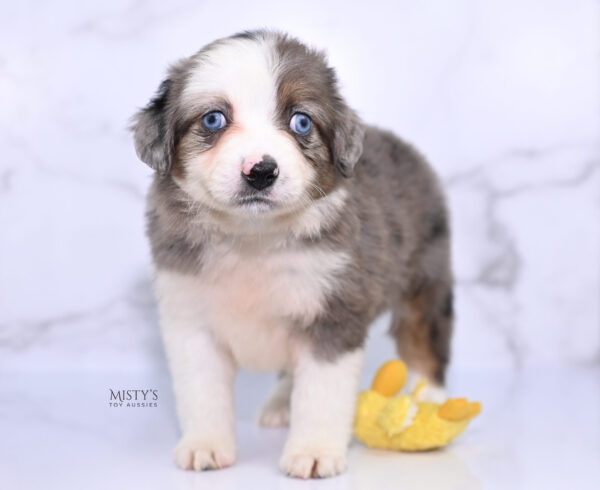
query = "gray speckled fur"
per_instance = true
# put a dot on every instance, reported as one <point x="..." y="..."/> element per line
<point x="394" y="226"/>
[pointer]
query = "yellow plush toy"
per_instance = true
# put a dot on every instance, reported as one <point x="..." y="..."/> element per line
<point x="403" y="422"/>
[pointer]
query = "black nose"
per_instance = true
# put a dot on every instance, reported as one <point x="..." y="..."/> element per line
<point x="262" y="175"/>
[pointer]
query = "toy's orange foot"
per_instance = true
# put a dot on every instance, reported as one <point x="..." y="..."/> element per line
<point x="458" y="409"/>
<point x="390" y="378"/>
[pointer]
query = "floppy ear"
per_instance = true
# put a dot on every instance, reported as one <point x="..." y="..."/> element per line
<point x="151" y="133"/>
<point x="348" y="138"/>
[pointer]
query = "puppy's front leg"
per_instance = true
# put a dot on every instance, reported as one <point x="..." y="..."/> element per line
<point x="203" y="375"/>
<point x="322" y="412"/>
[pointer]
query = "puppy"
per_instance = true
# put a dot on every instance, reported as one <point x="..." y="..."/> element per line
<point x="281" y="226"/>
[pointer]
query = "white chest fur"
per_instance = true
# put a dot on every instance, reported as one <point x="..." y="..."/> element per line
<point x="251" y="295"/>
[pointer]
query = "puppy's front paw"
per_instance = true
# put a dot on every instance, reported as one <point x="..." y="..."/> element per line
<point x="196" y="453"/>
<point x="313" y="463"/>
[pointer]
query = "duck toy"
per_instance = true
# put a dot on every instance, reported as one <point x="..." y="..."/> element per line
<point x="404" y="422"/>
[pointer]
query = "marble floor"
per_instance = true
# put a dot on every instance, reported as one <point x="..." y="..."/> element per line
<point x="539" y="429"/>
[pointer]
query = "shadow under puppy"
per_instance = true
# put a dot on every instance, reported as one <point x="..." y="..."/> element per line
<point x="280" y="227"/>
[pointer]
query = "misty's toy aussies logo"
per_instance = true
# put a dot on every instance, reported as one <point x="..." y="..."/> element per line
<point x="133" y="398"/>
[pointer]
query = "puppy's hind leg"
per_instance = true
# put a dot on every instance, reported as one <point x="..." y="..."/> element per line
<point x="276" y="410"/>
<point x="422" y="329"/>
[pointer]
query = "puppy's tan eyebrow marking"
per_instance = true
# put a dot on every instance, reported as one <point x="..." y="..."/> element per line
<point x="220" y="104"/>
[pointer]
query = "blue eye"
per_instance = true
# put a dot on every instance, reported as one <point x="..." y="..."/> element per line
<point x="300" y="123"/>
<point x="213" y="121"/>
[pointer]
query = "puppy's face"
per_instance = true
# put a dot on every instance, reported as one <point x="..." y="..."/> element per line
<point x="251" y="124"/>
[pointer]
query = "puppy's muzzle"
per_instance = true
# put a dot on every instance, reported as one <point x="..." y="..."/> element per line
<point x="262" y="175"/>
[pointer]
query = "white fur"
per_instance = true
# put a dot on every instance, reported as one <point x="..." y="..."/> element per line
<point x="323" y="401"/>
<point x="244" y="72"/>
<point x="320" y="214"/>
<point x="203" y="374"/>
<point x="307" y="222"/>
<point x="251" y="295"/>
<point x="432" y="392"/>
<point x="242" y="310"/>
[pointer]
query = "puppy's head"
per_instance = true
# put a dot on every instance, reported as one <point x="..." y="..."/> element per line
<point x="253" y="123"/>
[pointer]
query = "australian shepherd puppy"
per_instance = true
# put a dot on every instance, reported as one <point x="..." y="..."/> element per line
<point x="281" y="225"/>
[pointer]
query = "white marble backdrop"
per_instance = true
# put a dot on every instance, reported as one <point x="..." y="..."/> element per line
<point x="503" y="97"/>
